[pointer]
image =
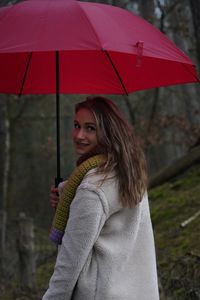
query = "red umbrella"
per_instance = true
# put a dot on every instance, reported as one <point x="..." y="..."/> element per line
<point x="67" y="46"/>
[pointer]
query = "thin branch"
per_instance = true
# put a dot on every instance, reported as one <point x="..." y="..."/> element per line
<point x="189" y="220"/>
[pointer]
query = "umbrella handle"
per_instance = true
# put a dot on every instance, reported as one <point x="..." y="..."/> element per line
<point x="57" y="181"/>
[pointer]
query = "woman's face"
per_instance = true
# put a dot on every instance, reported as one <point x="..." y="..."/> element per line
<point x="84" y="132"/>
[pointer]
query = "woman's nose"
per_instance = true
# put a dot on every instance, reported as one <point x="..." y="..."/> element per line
<point x="80" y="133"/>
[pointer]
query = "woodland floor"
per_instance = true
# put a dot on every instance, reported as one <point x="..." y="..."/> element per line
<point x="177" y="248"/>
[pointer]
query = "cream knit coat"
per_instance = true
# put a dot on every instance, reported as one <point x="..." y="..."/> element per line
<point x="107" y="252"/>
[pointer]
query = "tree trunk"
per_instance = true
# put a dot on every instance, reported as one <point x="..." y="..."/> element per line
<point x="3" y="220"/>
<point x="147" y="9"/>
<point x="176" y="168"/>
<point x="25" y="247"/>
<point x="5" y="164"/>
<point x="195" y="9"/>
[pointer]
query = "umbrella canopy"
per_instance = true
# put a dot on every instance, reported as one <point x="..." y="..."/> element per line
<point x="93" y="48"/>
<point x="68" y="46"/>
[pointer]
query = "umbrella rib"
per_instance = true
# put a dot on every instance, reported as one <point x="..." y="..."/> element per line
<point x="25" y="74"/>
<point x="116" y="71"/>
<point x="89" y="22"/>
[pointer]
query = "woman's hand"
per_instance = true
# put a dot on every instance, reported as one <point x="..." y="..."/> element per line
<point x="54" y="197"/>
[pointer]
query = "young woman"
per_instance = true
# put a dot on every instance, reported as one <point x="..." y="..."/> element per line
<point x="107" y="246"/>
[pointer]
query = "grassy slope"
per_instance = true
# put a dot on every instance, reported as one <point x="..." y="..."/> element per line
<point x="178" y="249"/>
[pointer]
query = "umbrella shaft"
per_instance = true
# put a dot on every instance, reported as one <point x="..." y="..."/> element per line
<point x="58" y="179"/>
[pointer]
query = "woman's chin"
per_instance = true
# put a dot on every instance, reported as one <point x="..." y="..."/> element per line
<point x="80" y="152"/>
<point x="84" y="150"/>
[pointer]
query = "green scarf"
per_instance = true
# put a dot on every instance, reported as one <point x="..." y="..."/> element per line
<point x="69" y="191"/>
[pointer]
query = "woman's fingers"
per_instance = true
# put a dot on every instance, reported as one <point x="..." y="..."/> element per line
<point x="54" y="197"/>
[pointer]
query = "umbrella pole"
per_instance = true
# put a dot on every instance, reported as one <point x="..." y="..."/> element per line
<point x="58" y="179"/>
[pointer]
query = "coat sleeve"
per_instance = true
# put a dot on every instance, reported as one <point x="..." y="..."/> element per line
<point x="86" y="219"/>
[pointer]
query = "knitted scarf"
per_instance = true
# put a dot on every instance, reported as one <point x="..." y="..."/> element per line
<point x="69" y="190"/>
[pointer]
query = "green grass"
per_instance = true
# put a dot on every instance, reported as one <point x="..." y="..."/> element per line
<point x="177" y="248"/>
<point x="46" y="251"/>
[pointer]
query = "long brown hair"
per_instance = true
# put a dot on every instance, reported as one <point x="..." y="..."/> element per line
<point x="124" y="155"/>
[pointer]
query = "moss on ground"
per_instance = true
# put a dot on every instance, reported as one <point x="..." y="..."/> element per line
<point x="44" y="273"/>
<point x="178" y="248"/>
<point x="45" y="252"/>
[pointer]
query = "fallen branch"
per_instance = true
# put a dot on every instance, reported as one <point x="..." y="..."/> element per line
<point x="176" y="167"/>
<point x="188" y="221"/>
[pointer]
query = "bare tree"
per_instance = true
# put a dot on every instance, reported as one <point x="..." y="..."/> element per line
<point x="146" y="9"/>
<point x="5" y="163"/>
<point x="195" y="9"/>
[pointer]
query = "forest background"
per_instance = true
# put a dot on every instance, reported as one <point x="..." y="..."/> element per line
<point x="167" y="121"/>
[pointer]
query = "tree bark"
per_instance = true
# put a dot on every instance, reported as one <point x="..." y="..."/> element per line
<point x="3" y="219"/>
<point x="195" y="9"/>
<point x="147" y="9"/>
<point x="25" y="247"/>
<point x="5" y="164"/>
<point x="180" y="165"/>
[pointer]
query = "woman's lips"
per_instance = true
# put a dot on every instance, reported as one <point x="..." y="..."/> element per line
<point x="81" y="145"/>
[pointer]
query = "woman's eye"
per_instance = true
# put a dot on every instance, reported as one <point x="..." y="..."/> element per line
<point x="91" y="128"/>
<point x="76" y="125"/>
